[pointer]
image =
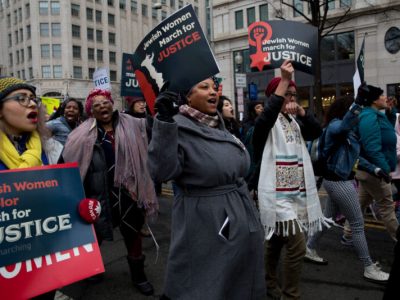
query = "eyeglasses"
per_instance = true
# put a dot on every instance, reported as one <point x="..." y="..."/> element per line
<point x="24" y="99"/>
<point x="289" y="94"/>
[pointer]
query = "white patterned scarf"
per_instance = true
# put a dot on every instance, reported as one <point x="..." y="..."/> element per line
<point x="286" y="188"/>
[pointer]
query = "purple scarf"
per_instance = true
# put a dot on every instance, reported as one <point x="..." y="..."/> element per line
<point x="130" y="157"/>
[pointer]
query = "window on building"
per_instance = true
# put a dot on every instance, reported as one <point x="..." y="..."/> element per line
<point x="57" y="71"/>
<point x="134" y="6"/>
<point x="8" y="20"/>
<point x="99" y="55"/>
<point x="76" y="31"/>
<point x="56" y="50"/>
<point x="75" y="9"/>
<point x="77" y="72"/>
<point x="180" y="3"/>
<point x="251" y="15"/>
<point x="196" y="10"/>
<point x="99" y="35"/>
<point x="239" y="19"/>
<point x="113" y="57"/>
<point x="44" y="29"/>
<point x="18" y="74"/>
<point x="30" y="70"/>
<point x="89" y="14"/>
<point x="29" y="52"/>
<point x="46" y="71"/>
<point x="98" y="16"/>
<point x="113" y="75"/>
<point x="22" y="55"/>
<point x="21" y="35"/>
<point x="298" y="4"/>
<point x="27" y="11"/>
<point x="122" y="4"/>
<point x="345" y="3"/>
<point x="9" y="40"/>
<point x="90" y="34"/>
<point x="264" y="12"/>
<point x="76" y="52"/>
<point x="55" y="29"/>
<point x="45" y="51"/>
<point x="55" y="8"/>
<point x="15" y="17"/>
<point x="164" y="14"/>
<point x="28" y="32"/>
<point x="393" y="90"/>
<point x="16" y="37"/>
<point x="172" y="4"/>
<point x="338" y="46"/>
<point x="154" y="13"/>
<point x="110" y="2"/>
<point x="17" y="56"/>
<point x="20" y="14"/>
<point x="331" y="4"/>
<point x="345" y="45"/>
<point x="23" y="74"/>
<point x="90" y="54"/>
<point x="144" y="10"/>
<point x="10" y="59"/>
<point x="91" y="72"/>
<point x="111" y="19"/>
<point x="43" y="8"/>
<point x="111" y="38"/>
<point x="328" y="48"/>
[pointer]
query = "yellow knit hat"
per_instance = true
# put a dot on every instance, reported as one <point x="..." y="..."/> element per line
<point x="11" y="84"/>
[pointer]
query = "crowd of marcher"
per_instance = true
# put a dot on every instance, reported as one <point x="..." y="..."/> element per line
<point x="244" y="193"/>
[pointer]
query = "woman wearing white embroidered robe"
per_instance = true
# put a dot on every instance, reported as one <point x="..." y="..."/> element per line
<point x="288" y="198"/>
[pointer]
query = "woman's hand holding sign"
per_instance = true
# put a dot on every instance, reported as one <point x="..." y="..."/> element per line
<point x="167" y="106"/>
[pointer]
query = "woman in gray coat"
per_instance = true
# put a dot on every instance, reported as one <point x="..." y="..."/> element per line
<point x="216" y="249"/>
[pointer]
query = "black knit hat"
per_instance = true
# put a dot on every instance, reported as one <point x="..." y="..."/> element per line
<point x="369" y="93"/>
<point x="11" y="84"/>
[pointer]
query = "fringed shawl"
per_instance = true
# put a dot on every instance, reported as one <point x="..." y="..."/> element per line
<point x="130" y="157"/>
<point x="286" y="175"/>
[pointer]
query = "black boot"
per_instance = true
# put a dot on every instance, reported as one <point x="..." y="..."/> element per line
<point x="136" y="265"/>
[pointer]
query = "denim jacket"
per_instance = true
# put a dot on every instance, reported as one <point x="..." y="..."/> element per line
<point x="60" y="129"/>
<point x="343" y="147"/>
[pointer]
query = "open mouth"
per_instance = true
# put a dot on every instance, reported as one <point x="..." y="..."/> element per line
<point x="33" y="116"/>
<point x="212" y="101"/>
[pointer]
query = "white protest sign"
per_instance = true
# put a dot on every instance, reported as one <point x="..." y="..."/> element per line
<point x="101" y="79"/>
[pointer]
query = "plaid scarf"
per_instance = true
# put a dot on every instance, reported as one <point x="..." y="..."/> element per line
<point x="211" y="121"/>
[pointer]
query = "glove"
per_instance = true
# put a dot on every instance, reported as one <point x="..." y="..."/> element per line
<point x="383" y="175"/>
<point x="167" y="105"/>
<point x="89" y="210"/>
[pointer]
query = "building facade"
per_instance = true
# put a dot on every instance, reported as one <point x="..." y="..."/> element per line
<point x="57" y="45"/>
<point x="378" y="21"/>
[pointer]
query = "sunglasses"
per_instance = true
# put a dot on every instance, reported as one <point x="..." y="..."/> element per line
<point x="24" y="99"/>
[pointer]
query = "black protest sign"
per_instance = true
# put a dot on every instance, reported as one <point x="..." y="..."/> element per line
<point x="273" y="42"/>
<point x="174" y="52"/>
<point x="129" y="84"/>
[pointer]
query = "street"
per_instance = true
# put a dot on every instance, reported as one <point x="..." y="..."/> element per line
<point x="340" y="279"/>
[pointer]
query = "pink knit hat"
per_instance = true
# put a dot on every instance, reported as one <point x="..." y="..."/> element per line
<point x="273" y="84"/>
<point x="92" y="94"/>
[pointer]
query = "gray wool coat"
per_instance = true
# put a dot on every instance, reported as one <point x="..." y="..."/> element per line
<point x="208" y="165"/>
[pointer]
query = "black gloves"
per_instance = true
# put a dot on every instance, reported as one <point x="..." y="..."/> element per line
<point x="167" y="105"/>
<point x="383" y="175"/>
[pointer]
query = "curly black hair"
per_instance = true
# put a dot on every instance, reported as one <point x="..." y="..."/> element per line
<point x="61" y="108"/>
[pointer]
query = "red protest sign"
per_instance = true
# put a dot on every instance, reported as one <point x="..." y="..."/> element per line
<point x="33" y="277"/>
